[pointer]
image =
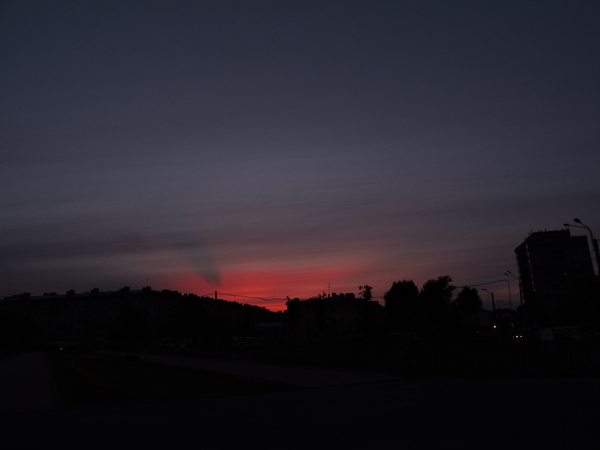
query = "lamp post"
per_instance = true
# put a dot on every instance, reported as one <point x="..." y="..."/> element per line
<point x="508" y="273"/>
<point x="493" y="302"/>
<point x="509" y="295"/>
<point x="594" y="241"/>
<point x="523" y="315"/>
<point x="492" y="282"/>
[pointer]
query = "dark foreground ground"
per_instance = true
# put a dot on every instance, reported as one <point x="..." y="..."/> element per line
<point x="92" y="380"/>
<point x="455" y="413"/>
<point x="235" y="413"/>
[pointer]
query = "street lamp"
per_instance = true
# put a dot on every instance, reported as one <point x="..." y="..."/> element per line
<point x="509" y="295"/>
<point x="493" y="302"/>
<point x="594" y="241"/>
<point x="512" y="275"/>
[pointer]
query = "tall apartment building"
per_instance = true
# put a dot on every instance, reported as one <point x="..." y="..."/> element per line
<point x="552" y="265"/>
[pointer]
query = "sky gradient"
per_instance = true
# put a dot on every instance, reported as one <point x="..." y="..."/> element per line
<point x="270" y="149"/>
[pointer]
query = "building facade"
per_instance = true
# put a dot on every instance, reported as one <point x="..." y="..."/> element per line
<point x="553" y="266"/>
<point x="335" y="318"/>
<point x="125" y="315"/>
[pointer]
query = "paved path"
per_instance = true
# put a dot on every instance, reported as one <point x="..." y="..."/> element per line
<point x="298" y="376"/>
<point x="25" y="384"/>
<point x="448" y="414"/>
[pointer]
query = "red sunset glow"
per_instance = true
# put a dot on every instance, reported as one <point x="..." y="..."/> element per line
<point x="274" y="285"/>
<point x="271" y="149"/>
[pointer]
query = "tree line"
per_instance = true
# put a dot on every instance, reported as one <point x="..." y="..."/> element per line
<point x="430" y="311"/>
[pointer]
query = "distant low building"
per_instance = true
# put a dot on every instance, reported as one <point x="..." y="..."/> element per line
<point x="143" y="315"/>
<point x="334" y="318"/>
<point x="273" y="333"/>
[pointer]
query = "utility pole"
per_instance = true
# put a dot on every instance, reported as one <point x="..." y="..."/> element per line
<point x="493" y="302"/>
<point x="216" y="322"/>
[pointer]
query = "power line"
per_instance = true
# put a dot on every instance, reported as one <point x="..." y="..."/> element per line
<point x="249" y="296"/>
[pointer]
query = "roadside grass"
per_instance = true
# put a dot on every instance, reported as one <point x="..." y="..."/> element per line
<point x="87" y="380"/>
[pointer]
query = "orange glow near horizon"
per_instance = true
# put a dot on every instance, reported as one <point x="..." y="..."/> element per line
<point x="273" y="285"/>
<point x="267" y="284"/>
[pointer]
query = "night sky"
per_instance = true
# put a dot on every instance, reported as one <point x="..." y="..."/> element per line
<point x="270" y="148"/>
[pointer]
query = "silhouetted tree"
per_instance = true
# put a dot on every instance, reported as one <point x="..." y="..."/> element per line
<point x="434" y="299"/>
<point x="366" y="292"/>
<point x="292" y="310"/>
<point x="468" y="300"/>
<point x="401" y="305"/>
<point x="465" y="317"/>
